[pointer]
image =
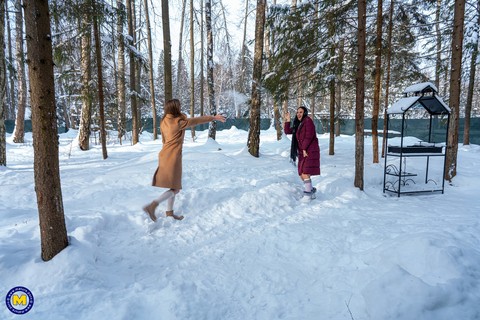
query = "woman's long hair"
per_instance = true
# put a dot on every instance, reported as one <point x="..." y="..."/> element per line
<point x="296" y="124"/>
<point x="172" y="107"/>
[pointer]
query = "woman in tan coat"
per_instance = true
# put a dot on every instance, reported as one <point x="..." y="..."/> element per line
<point x="169" y="171"/>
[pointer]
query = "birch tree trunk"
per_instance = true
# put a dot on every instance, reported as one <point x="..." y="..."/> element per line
<point x="230" y="83"/>
<point x="455" y="79"/>
<point x="471" y="83"/>
<point x="360" y="96"/>
<point x="254" y="130"/>
<point x="150" y="75"/>
<point x="3" y="82"/>
<point x="86" y="78"/>
<point x="131" y="56"/>
<point x="331" y="81"/>
<point x="212" y="128"/>
<point x="192" y="69"/>
<point x="338" y="91"/>
<point x="121" y="94"/>
<point x="242" y="55"/>
<point x="167" y="49"/>
<point x="377" y="85"/>
<point x="202" y="60"/>
<point x="387" y="80"/>
<point x="180" y="63"/>
<point x="438" y="37"/>
<point x="53" y="232"/>
<point x="138" y="72"/>
<point x="112" y="32"/>
<point x="98" y="54"/>
<point x="10" y="108"/>
<point x="19" y="134"/>
<point x="313" y="91"/>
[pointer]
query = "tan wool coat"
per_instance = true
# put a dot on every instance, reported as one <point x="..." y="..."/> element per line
<point x="169" y="171"/>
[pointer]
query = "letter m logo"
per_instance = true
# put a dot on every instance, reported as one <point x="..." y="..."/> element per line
<point x="22" y="300"/>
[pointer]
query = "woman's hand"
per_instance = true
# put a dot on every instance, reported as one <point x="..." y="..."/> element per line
<point x="219" y="117"/>
<point x="305" y="154"/>
<point x="286" y="116"/>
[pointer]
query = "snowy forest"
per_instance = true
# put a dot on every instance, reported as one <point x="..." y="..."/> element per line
<point x="309" y="58"/>
<point x="101" y="66"/>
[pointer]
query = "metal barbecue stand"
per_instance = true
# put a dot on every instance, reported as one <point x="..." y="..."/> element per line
<point x="419" y="100"/>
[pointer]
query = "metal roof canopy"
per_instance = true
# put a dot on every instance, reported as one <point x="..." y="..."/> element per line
<point x="421" y="94"/>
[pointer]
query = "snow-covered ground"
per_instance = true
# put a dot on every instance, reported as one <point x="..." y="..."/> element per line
<point x="247" y="248"/>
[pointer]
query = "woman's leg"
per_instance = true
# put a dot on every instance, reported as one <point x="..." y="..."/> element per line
<point x="307" y="182"/>
<point x="165" y="196"/>
<point x="150" y="208"/>
<point x="170" y="202"/>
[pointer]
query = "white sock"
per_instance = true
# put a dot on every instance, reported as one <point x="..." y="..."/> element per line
<point x="307" y="184"/>
<point x="164" y="196"/>
<point x="170" y="203"/>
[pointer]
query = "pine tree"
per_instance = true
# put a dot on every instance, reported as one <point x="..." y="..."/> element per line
<point x="454" y="101"/>
<point x="360" y="96"/>
<point x="53" y="231"/>
<point x="254" y="130"/>
<point x="101" y="100"/>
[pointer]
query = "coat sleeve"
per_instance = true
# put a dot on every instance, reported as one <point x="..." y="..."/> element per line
<point x="192" y="122"/>
<point x="308" y="135"/>
<point x="286" y="128"/>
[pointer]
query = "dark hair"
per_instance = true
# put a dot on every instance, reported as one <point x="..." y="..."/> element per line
<point x="305" y="111"/>
<point x="296" y="124"/>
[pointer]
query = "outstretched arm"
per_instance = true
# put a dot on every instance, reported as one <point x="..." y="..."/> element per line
<point x="219" y="117"/>
<point x="191" y="122"/>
